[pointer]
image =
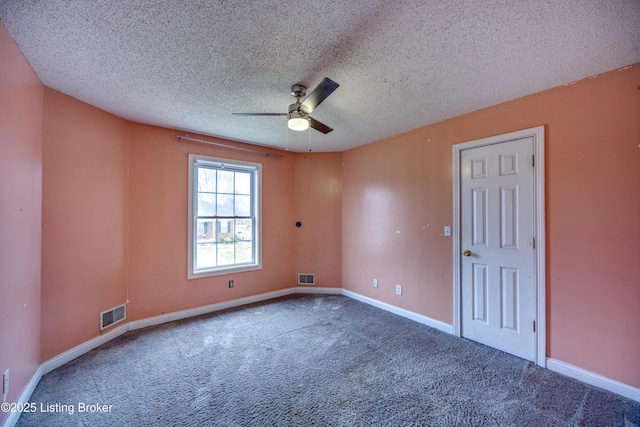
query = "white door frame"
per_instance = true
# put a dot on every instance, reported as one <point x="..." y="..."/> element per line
<point x="539" y="229"/>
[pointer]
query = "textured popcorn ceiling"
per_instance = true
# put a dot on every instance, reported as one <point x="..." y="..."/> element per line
<point x="400" y="64"/>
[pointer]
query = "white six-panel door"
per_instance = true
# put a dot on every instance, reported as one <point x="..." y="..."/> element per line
<point x="497" y="262"/>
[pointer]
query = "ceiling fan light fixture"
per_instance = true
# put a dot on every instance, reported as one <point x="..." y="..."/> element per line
<point x="297" y="121"/>
<point x="298" y="113"/>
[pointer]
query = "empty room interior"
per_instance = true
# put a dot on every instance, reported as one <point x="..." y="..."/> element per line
<point x="472" y="168"/>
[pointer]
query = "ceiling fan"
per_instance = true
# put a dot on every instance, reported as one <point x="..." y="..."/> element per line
<point x="299" y="118"/>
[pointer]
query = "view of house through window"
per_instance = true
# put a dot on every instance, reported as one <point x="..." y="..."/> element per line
<point x="224" y="220"/>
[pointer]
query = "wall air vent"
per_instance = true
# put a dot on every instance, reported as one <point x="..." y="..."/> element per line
<point x="113" y="316"/>
<point x="306" y="279"/>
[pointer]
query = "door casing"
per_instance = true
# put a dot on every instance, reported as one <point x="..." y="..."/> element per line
<point x="539" y="230"/>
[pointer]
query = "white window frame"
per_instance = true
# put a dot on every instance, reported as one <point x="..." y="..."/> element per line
<point x="192" y="222"/>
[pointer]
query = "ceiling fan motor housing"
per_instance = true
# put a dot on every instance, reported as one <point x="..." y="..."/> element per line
<point x="298" y="91"/>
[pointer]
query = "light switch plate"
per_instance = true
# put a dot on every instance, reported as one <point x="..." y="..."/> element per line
<point x="447" y="230"/>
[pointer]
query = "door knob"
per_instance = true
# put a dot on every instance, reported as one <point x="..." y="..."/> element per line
<point x="466" y="253"/>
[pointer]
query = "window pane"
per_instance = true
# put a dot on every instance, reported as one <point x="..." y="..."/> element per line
<point x="243" y="206"/>
<point x="244" y="232"/>
<point x="206" y="180"/>
<point x="225" y="205"/>
<point x="225" y="182"/>
<point x="204" y="231"/>
<point x="244" y="254"/>
<point x="206" y="204"/>
<point x="243" y="183"/>
<point x="244" y="241"/>
<point x="226" y="253"/>
<point x="205" y="255"/>
<point x="224" y="228"/>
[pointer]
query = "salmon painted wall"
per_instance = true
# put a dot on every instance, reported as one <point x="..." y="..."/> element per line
<point x="158" y="197"/>
<point x="396" y="201"/>
<point x="397" y="196"/>
<point x="20" y="216"/>
<point x="84" y="220"/>
<point x="318" y="206"/>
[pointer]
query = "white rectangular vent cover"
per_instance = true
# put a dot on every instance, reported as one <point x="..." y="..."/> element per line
<point x="306" y="279"/>
<point x="112" y="316"/>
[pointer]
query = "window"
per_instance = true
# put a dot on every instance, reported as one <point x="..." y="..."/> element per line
<point x="224" y="216"/>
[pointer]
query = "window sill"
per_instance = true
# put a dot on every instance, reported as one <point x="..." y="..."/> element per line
<point x="222" y="271"/>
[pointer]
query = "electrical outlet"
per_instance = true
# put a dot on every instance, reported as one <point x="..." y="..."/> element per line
<point x="231" y="283"/>
<point x="399" y="289"/>
<point x="5" y="386"/>
<point x="375" y="283"/>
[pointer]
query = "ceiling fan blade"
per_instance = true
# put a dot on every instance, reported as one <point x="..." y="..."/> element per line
<point x="319" y="94"/>
<point x="319" y="126"/>
<point x="260" y="114"/>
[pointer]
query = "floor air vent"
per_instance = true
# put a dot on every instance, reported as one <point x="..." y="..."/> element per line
<point x="306" y="279"/>
<point x="112" y="316"/>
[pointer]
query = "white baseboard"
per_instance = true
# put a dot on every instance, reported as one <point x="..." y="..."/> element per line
<point x="314" y="290"/>
<point x="558" y="366"/>
<point x="13" y="417"/>
<point x="594" y="379"/>
<point x="436" y="324"/>
<point x="198" y="311"/>
<point x="81" y="349"/>
<point x="87" y="346"/>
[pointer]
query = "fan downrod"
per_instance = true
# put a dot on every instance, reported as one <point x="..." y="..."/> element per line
<point x="296" y="109"/>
